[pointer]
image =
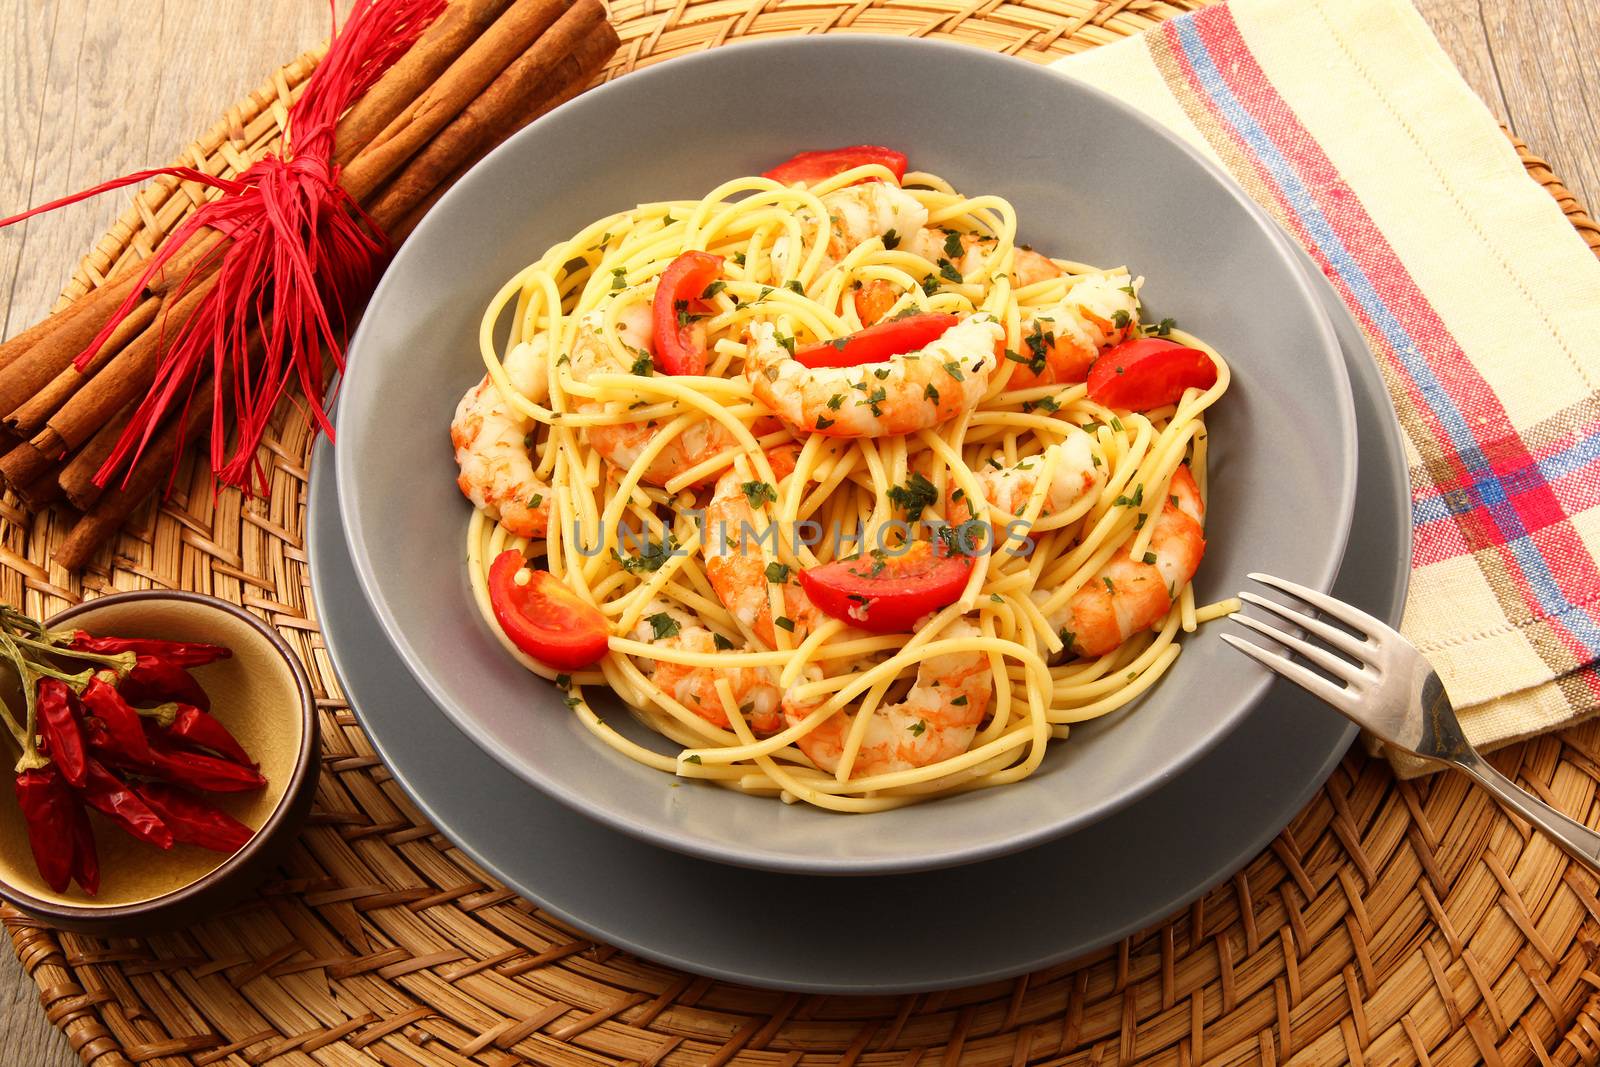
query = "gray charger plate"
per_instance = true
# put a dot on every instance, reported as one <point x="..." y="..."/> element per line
<point x="1285" y="434"/>
<point x="867" y="935"/>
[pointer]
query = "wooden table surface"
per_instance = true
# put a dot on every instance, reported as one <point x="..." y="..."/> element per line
<point x="97" y="88"/>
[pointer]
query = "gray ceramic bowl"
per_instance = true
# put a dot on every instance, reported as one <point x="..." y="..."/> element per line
<point x="1090" y="178"/>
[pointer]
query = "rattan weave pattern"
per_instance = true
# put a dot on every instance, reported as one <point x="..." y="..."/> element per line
<point x="1391" y="922"/>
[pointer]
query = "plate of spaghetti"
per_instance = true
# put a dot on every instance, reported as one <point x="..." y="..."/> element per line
<point x="847" y="500"/>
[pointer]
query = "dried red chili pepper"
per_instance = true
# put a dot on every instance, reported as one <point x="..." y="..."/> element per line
<point x="85" y="860"/>
<point x="59" y="726"/>
<point x="202" y="728"/>
<point x="182" y="653"/>
<point x="156" y="681"/>
<point x="177" y="764"/>
<point x="123" y="727"/>
<point x="111" y="795"/>
<point x="194" y="820"/>
<point x="45" y="800"/>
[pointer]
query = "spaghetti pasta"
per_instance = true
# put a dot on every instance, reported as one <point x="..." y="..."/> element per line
<point x="698" y="514"/>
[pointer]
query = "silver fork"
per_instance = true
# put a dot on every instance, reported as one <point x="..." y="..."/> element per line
<point x="1391" y="691"/>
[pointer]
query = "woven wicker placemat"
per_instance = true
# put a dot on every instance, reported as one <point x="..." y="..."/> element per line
<point x="1390" y="922"/>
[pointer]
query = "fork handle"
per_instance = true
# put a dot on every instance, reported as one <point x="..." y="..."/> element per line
<point x="1578" y="840"/>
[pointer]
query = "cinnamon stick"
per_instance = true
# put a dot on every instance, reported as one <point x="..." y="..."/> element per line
<point x="531" y="81"/>
<point x="54" y="349"/>
<point x="25" y="464"/>
<point x="485" y="61"/>
<point x="77" y="477"/>
<point x="149" y="474"/>
<point x="440" y="44"/>
<point x="28" y="418"/>
<point x="128" y="375"/>
<point x="590" y="57"/>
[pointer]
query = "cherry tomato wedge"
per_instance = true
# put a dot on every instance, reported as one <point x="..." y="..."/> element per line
<point x="877" y="343"/>
<point x="1148" y="373"/>
<point x="887" y="594"/>
<point x="680" y="340"/>
<point x="813" y="167"/>
<point x="544" y="618"/>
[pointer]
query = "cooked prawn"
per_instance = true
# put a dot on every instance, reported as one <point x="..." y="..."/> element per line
<point x="1129" y="595"/>
<point x="902" y="394"/>
<point x="1007" y="489"/>
<point x="856" y="214"/>
<point x="936" y="721"/>
<point x="620" y="444"/>
<point x="491" y="442"/>
<point x="1062" y="340"/>
<point x="735" y="566"/>
<point x="695" y="687"/>
<point x="876" y="298"/>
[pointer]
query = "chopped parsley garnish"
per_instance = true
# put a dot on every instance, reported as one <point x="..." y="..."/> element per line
<point x="650" y="558"/>
<point x="1131" y="501"/>
<point x="787" y="342"/>
<point x="535" y="500"/>
<point x="917" y="728"/>
<point x="823" y="422"/>
<point x="619" y="279"/>
<point x="713" y="289"/>
<point x="930" y="285"/>
<point x="960" y="701"/>
<point x="891" y="241"/>
<point x="952" y="244"/>
<point x="834" y="401"/>
<point x="692" y="759"/>
<point x="738" y="257"/>
<point x="913" y="498"/>
<point x="1068" y="638"/>
<point x="759" y="493"/>
<point x="948" y="271"/>
<point x="784" y="622"/>
<point x="720" y="643"/>
<point x="875" y="400"/>
<point x="930" y="393"/>
<point x="777" y="573"/>
<point x="642" y="364"/>
<point x="794" y="284"/>
<point x="663" y="625"/>
<point x="1150" y="557"/>
<point x="1160" y="329"/>
<point x="1120" y="319"/>
<point x="1109" y="587"/>
<point x="953" y="369"/>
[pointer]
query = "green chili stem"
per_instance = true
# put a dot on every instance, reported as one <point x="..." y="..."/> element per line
<point x="117" y="661"/>
<point x="163" y="714"/>
<point x="24" y="736"/>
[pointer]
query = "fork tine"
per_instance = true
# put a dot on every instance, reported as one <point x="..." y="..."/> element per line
<point x="1337" y="609"/>
<point x="1331" y="634"/>
<point x="1313" y="683"/>
<point x="1339" y="668"/>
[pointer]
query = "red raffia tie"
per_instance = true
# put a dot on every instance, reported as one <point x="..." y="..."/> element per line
<point x="302" y="251"/>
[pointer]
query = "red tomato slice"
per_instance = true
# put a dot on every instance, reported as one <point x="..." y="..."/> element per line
<point x="813" y="167"/>
<point x="680" y="342"/>
<point x="887" y="594"/>
<point x="877" y="343"/>
<point x="544" y="618"/>
<point x="1148" y="373"/>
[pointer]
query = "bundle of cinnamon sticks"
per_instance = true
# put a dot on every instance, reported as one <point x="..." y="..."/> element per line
<point x="480" y="72"/>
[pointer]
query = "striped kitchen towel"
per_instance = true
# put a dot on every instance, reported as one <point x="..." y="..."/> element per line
<point x="1481" y="304"/>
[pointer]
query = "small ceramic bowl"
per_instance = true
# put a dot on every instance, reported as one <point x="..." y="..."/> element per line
<point x="263" y="697"/>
